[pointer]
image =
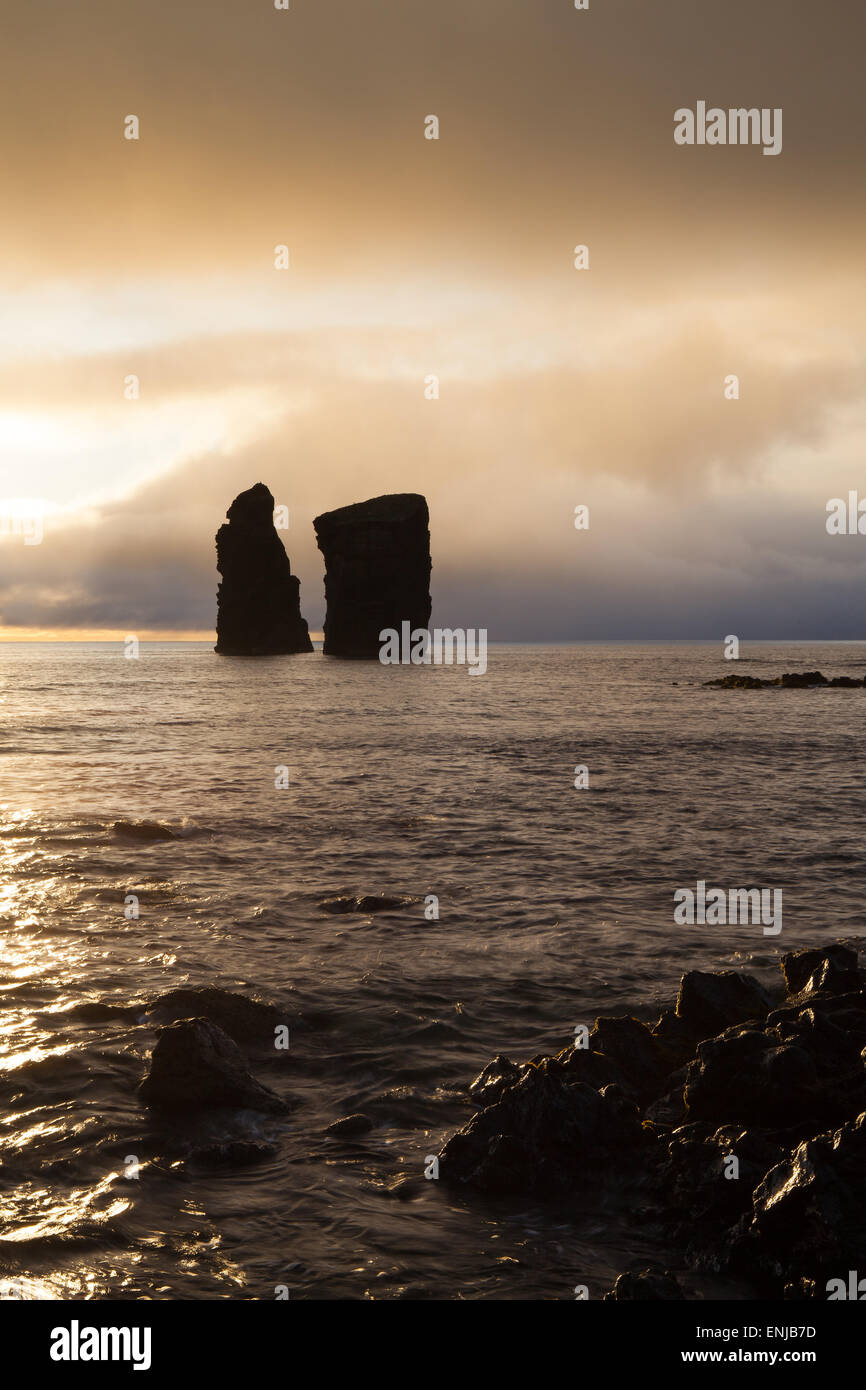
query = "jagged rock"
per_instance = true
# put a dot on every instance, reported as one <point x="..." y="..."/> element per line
<point x="791" y="680"/>
<point x="809" y="1212"/>
<point x="545" y="1133"/>
<point x="245" y="1020"/>
<point x="497" y="1076"/>
<point x="592" y="1068"/>
<point x="196" y="1066"/>
<point x="652" y="1284"/>
<point x="751" y="1078"/>
<point x="709" y="1003"/>
<point x="350" y="1127"/>
<point x="641" y="1059"/>
<point x="370" y="902"/>
<point x="258" y="600"/>
<point x="704" y="1199"/>
<point x="798" y="967"/>
<point x="377" y="563"/>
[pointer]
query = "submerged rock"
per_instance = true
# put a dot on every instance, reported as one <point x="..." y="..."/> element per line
<point x="652" y="1284"/>
<point x="377" y="571"/>
<point x="245" y="1020"/>
<point x="196" y="1066"/>
<point x="791" y="680"/>
<point x="370" y="902"/>
<point x="258" y="600"/>
<point x="350" y="1127"/>
<point x="144" y="830"/>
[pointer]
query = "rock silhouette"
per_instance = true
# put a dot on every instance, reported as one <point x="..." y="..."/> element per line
<point x="377" y="563"/>
<point x="776" y="1084"/>
<point x="258" y="601"/>
<point x="196" y="1066"/>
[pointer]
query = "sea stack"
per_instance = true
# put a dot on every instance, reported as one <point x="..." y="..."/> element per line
<point x="377" y="571"/>
<point x="258" y="601"/>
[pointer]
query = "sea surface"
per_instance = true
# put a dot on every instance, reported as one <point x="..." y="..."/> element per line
<point x="555" y="904"/>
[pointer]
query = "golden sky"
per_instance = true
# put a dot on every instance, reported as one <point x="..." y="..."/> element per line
<point x="413" y="257"/>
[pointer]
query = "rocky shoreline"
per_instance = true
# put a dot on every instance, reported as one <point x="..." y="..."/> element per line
<point x="791" y="680"/>
<point x="740" y="1119"/>
<point x="735" y="1123"/>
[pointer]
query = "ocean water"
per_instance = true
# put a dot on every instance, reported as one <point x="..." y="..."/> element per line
<point x="555" y="905"/>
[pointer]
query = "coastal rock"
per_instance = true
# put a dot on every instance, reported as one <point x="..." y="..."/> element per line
<point x="350" y="1127"/>
<point x="370" y="902"/>
<point x="640" y="1058"/>
<point x="798" y="967"/>
<point x="791" y="680"/>
<point x="709" y="1003"/>
<point x="377" y="571"/>
<point x="143" y="830"/>
<point x="748" y="1077"/>
<point x="809" y="1212"/>
<point x="544" y="1134"/>
<point x="490" y="1084"/>
<point x="650" y="1284"/>
<point x="258" y="600"/>
<point x="245" y="1020"/>
<point x="196" y="1066"/>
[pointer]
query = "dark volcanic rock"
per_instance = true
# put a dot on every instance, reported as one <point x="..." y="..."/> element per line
<point x="752" y="1078"/>
<point x="799" y="966"/>
<point x="196" y="1066"/>
<point x="707" y="1004"/>
<point x="645" y="1284"/>
<point x="258" y="601"/>
<point x="245" y="1020"/>
<point x="546" y="1133"/>
<point x="370" y="902"/>
<point x="490" y="1084"/>
<point x="641" y="1059"/>
<point x="810" y="1210"/>
<point x="791" y="680"/>
<point x="350" y="1127"/>
<point x="377" y="571"/>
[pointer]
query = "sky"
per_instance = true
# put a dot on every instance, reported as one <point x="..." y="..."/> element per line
<point x="411" y="258"/>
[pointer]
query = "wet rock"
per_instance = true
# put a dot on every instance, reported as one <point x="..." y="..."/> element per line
<point x="800" y="1289"/>
<point x="143" y="830"/>
<point x="197" y="1066"/>
<point x="377" y="563"/>
<point x="809" y="1212"/>
<point x="258" y="600"/>
<point x="236" y="1153"/>
<point x="696" y="1177"/>
<point x="350" y="1127"/>
<point x="497" y="1076"/>
<point x="370" y="902"/>
<point x="592" y="1068"/>
<point x="791" y="680"/>
<point x="649" y="1284"/>
<point x="709" y="1003"/>
<point x="641" y="1059"/>
<point x="748" y="1077"/>
<point x="245" y="1020"/>
<point x="800" y="967"/>
<point x="545" y="1133"/>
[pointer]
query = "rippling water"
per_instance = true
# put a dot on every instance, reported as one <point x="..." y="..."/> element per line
<point x="555" y="905"/>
